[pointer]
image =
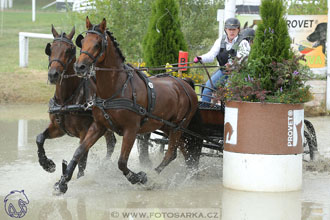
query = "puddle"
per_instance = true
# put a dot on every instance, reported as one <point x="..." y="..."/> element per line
<point x="104" y="193"/>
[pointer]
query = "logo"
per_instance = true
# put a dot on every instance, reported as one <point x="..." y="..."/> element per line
<point x="231" y="118"/>
<point x="15" y="204"/>
<point x="295" y="127"/>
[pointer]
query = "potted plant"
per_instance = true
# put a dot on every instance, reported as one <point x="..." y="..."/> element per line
<point x="264" y="113"/>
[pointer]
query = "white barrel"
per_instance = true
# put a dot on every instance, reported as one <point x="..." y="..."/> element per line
<point x="263" y="146"/>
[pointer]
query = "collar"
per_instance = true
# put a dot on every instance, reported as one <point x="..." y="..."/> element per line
<point x="227" y="41"/>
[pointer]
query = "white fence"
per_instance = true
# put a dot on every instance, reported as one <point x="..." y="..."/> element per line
<point x="24" y="45"/>
<point x="6" y="4"/>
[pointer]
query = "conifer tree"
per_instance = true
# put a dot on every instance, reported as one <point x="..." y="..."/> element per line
<point x="164" y="39"/>
<point x="272" y="41"/>
<point x="272" y="37"/>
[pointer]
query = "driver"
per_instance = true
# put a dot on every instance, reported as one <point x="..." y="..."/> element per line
<point x="231" y="46"/>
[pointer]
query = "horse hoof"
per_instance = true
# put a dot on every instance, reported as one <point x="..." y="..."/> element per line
<point x="60" y="188"/>
<point x="142" y="177"/>
<point x="80" y="174"/>
<point x="48" y="165"/>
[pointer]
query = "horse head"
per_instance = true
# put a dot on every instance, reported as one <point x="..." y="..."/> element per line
<point x="93" y="47"/>
<point x="61" y="53"/>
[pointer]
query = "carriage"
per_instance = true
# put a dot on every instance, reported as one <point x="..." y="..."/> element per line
<point x="126" y="103"/>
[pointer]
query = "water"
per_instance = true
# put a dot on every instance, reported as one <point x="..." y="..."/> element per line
<point x="104" y="193"/>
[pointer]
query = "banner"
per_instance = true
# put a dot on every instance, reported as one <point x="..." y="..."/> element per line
<point x="309" y="34"/>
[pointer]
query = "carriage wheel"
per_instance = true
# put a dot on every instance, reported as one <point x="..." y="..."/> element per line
<point x="310" y="141"/>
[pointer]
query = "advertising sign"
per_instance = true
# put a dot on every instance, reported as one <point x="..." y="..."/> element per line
<point x="308" y="34"/>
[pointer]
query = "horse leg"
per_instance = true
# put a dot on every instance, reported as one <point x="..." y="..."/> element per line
<point x="82" y="165"/>
<point x="111" y="142"/>
<point x="191" y="150"/>
<point x="95" y="131"/>
<point x="51" y="132"/>
<point x="128" y="141"/>
<point x="143" y="147"/>
<point x="174" y="139"/>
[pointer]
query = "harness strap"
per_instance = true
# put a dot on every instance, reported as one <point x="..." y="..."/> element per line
<point x="150" y="89"/>
<point x="90" y="55"/>
<point x="104" y="45"/>
<point x="60" y="110"/>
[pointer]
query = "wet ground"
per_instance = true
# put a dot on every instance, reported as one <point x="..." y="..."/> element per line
<point x="104" y="193"/>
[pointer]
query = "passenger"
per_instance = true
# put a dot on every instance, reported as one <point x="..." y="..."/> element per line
<point x="231" y="46"/>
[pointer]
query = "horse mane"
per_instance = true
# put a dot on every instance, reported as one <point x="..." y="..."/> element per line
<point x="113" y="39"/>
<point x="116" y="44"/>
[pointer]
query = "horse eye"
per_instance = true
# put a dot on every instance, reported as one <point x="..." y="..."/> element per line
<point x="97" y="46"/>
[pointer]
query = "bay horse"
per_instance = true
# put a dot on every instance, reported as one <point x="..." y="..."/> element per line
<point x="128" y="103"/>
<point x="67" y="109"/>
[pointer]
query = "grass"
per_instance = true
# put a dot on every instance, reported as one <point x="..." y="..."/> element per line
<point x="26" y="85"/>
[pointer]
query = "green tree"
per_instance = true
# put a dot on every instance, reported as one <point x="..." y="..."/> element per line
<point x="199" y="24"/>
<point x="313" y="7"/>
<point x="271" y="43"/>
<point x="164" y="38"/>
<point x="126" y="19"/>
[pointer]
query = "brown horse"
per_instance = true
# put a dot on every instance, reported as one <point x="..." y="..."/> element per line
<point x="128" y="103"/>
<point x="67" y="113"/>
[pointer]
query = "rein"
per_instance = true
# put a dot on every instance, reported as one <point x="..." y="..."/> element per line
<point x="155" y="68"/>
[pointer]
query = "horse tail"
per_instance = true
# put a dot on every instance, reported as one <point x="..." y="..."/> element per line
<point x="190" y="82"/>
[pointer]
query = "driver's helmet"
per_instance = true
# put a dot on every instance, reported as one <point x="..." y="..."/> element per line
<point x="232" y="23"/>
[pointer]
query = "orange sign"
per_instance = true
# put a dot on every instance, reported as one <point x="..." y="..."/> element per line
<point x="183" y="59"/>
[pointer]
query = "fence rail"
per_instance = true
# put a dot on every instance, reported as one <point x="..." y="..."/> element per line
<point x="23" y="38"/>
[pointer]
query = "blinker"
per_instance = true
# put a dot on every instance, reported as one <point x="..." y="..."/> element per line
<point x="79" y="38"/>
<point x="48" y="50"/>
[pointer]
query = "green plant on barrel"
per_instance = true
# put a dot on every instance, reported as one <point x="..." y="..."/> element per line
<point x="164" y="39"/>
<point x="272" y="72"/>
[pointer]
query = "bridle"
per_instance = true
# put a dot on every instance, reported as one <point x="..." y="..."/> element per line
<point x="103" y="46"/>
<point x="64" y="65"/>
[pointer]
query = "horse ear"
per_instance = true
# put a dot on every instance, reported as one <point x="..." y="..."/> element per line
<point x="55" y="34"/>
<point x="70" y="36"/>
<point x="245" y="25"/>
<point x="103" y="25"/>
<point x="88" y="23"/>
<point x="78" y="40"/>
<point x="48" y="50"/>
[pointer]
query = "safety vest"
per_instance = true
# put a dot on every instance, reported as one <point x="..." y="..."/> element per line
<point x="224" y="54"/>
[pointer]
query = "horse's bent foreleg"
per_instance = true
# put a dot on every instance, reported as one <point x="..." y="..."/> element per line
<point x="111" y="142"/>
<point x="95" y="131"/>
<point x="174" y="140"/>
<point x="128" y="141"/>
<point x="51" y="132"/>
